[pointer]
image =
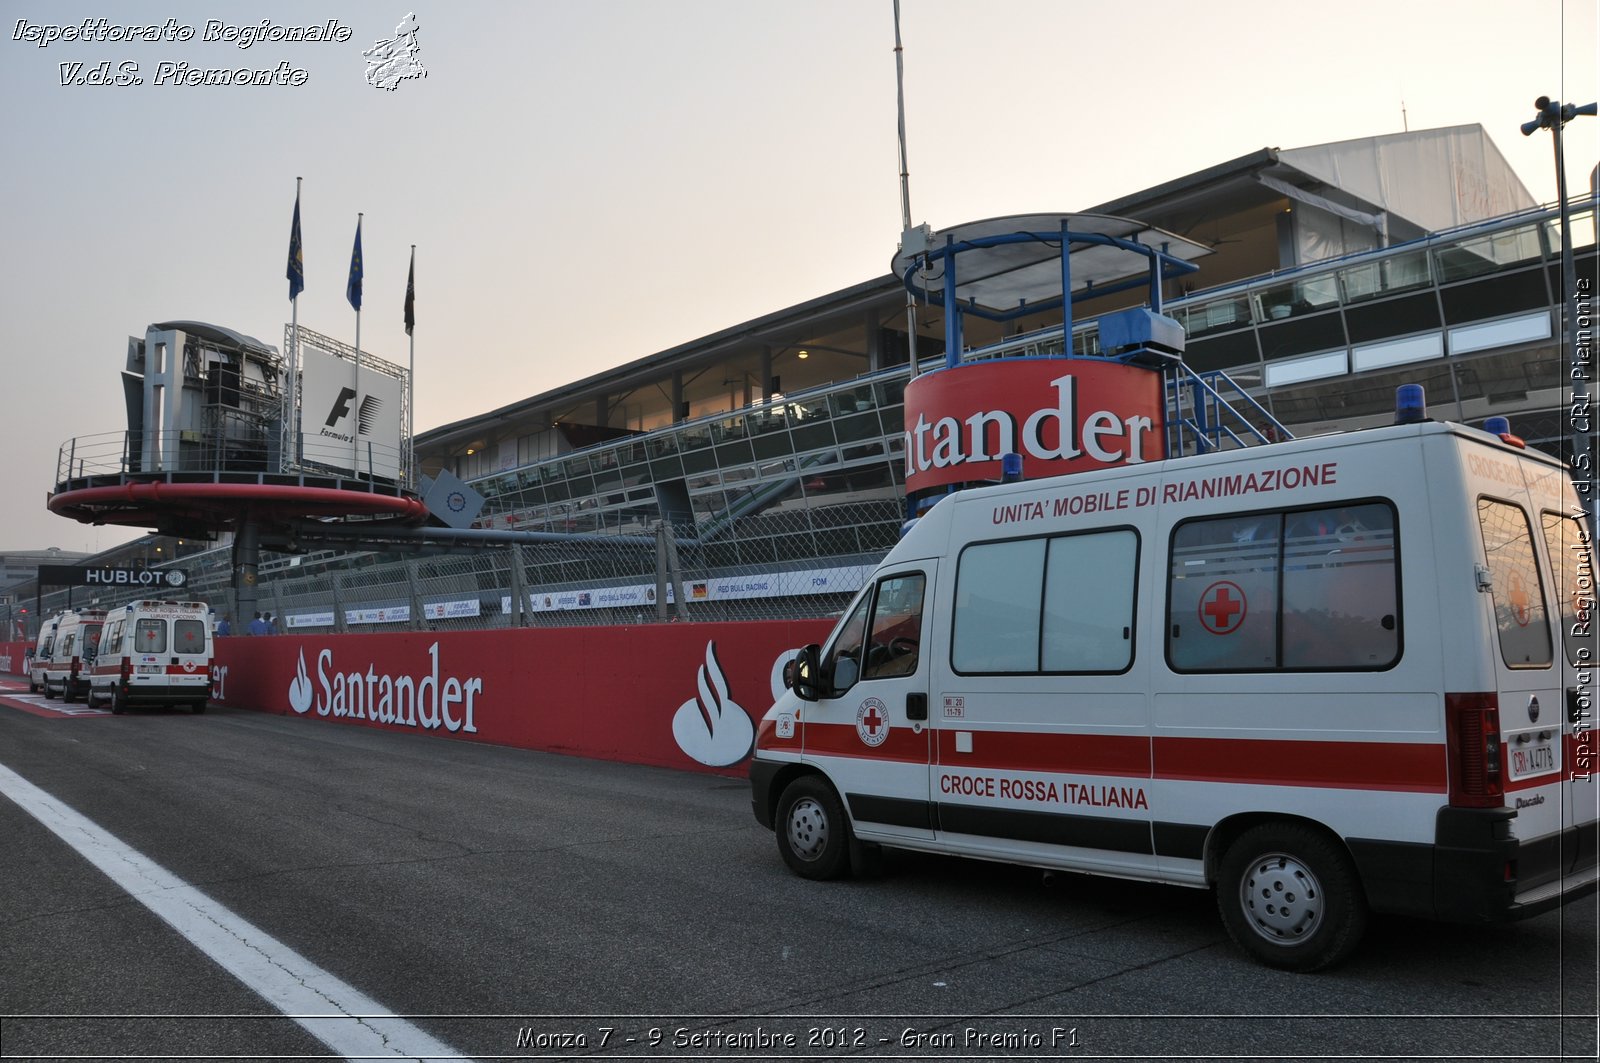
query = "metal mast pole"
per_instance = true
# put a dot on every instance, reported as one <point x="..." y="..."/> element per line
<point x="905" y="181"/>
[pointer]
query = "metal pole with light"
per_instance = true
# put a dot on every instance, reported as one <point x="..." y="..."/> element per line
<point x="1553" y="115"/>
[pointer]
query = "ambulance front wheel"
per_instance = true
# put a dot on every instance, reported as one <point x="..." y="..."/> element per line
<point x="813" y="833"/>
<point x="1290" y="897"/>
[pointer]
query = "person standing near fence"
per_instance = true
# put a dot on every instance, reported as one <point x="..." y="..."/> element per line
<point x="258" y="626"/>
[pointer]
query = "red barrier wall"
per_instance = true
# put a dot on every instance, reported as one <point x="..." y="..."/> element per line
<point x="11" y="657"/>
<point x="674" y="695"/>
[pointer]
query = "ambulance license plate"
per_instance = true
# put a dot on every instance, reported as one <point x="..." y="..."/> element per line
<point x="1534" y="758"/>
<point x="151" y="669"/>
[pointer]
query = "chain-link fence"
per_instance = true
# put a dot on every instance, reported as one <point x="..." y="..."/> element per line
<point x="778" y="565"/>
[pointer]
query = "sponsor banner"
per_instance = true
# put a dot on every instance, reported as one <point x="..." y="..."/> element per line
<point x="681" y="696"/>
<point x="841" y="580"/>
<point x="109" y="576"/>
<point x="394" y="614"/>
<point x="13" y="657"/>
<point x="452" y="610"/>
<point x="1061" y="414"/>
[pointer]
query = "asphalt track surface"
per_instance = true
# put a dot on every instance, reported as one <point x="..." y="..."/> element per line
<point x="508" y="905"/>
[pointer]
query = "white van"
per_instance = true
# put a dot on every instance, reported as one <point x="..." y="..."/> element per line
<point x="1321" y="677"/>
<point x="77" y="639"/>
<point x="154" y="653"/>
<point x="39" y="660"/>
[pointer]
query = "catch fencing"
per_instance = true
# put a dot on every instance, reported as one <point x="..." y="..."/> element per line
<point x="776" y="566"/>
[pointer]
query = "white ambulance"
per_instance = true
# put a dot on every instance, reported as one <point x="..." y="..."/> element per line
<point x="154" y="653"/>
<point x="1325" y="677"/>
<point x="39" y="660"/>
<point x="77" y="639"/>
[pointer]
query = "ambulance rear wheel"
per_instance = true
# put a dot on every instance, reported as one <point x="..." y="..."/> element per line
<point x="813" y="833"/>
<point x="197" y="707"/>
<point x="1290" y="897"/>
<point x="119" y="703"/>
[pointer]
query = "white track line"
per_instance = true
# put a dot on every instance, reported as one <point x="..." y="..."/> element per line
<point x="337" y="1014"/>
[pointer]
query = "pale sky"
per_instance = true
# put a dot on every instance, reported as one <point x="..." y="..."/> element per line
<point x="591" y="182"/>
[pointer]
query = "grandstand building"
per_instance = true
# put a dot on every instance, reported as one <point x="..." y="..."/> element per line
<point x="1335" y="273"/>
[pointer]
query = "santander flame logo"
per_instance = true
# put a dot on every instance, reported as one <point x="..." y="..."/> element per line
<point x="712" y="729"/>
<point x="300" y="687"/>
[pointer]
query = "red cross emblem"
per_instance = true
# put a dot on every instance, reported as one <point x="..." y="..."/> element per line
<point x="1223" y="608"/>
<point x="872" y="722"/>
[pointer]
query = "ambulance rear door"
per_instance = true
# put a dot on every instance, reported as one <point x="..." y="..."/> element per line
<point x="1524" y="651"/>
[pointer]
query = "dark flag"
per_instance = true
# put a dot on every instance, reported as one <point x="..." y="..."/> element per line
<point x="352" y="290"/>
<point x="411" y="293"/>
<point x="297" y="266"/>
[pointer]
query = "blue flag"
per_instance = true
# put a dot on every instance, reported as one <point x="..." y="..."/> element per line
<point x="297" y="266"/>
<point x="352" y="290"/>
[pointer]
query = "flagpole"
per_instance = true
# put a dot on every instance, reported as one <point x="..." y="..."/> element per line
<point x="355" y="423"/>
<point x="294" y="360"/>
<point x="411" y="371"/>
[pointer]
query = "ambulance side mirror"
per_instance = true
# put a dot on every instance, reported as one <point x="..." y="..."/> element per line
<point x="802" y="673"/>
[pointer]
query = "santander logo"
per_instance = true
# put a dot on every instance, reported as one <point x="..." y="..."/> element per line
<point x="712" y="728"/>
<point x="427" y="701"/>
<point x="961" y="421"/>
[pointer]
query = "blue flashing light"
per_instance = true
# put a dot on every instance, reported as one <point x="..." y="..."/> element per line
<point x="1497" y="426"/>
<point x="1410" y="404"/>
<point x="1010" y="468"/>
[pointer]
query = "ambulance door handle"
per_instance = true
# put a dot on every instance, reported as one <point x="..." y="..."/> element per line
<point x="916" y="706"/>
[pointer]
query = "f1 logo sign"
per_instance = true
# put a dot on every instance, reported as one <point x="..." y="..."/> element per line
<point x="341" y="406"/>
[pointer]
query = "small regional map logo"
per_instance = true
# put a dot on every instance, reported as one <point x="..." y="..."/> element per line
<point x="394" y="60"/>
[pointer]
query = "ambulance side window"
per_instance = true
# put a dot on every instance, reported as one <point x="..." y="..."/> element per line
<point x="1293" y="590"/>
<point x="1341" y="606"/>
<point x="1572" y="556"/>
<point x="1222" y="597"/>
<point x="1089" y="591"/>
<point x="1062" y="604"/>
<point x="1519" y="609"/>
<point x="997" y="607"/>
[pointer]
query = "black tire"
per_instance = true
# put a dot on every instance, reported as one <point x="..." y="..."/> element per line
<point x="33" y="688"/>
<point x="66" y="691"/>
<point x="197" y="707"/>
<point x="813" y="831"/>
<point x="1290" y="897"/>
<point x="119" y="703"/>
<point x="49" y="695"/>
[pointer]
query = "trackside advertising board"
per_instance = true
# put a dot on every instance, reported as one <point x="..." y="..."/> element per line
<point x="673" y="695"/>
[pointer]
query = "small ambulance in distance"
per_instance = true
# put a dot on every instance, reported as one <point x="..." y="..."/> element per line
<point x="1324" y="677"/>
<point x="40" y="661"/>
<point x="76" y="641"/>
<point x="154" y="653"/>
